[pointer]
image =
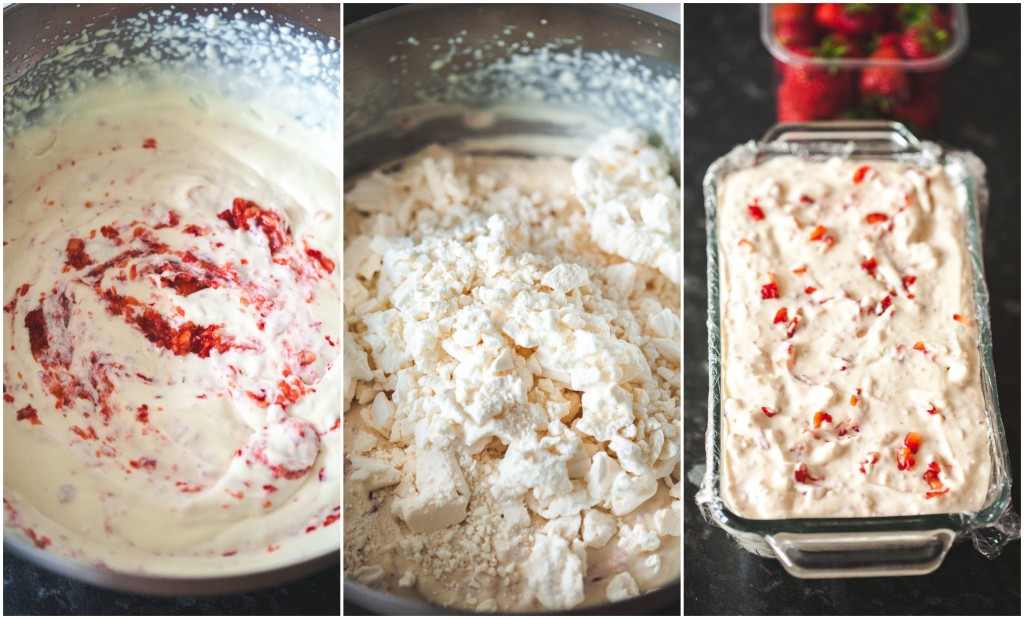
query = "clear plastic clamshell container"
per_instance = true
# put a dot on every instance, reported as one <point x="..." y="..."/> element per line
<point x="857" y="547"/>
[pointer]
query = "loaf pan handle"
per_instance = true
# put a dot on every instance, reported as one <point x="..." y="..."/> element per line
<point x="853" y="555"/>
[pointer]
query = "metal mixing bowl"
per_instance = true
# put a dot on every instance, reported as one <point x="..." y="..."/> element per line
<point x="33" y="33"/>
<point x="424" y="74"/>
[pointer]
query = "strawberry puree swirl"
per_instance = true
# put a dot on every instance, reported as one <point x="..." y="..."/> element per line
<point x="171" y="314"/>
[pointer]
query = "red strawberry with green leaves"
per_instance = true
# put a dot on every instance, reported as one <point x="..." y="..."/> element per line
<point x="886" y="84"/>
<point x="812" y="92"/>
<point x="924" y="40"/>
<point x="839" y="45"/>
<point x="916" y="14"/>
<point x="851" y="19"/>
<point x="795" y="34"/>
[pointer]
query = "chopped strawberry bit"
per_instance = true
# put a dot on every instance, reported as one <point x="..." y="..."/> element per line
<point x="908" y="281"/>
<point x="746" y="244"/>
<point x="805" y="199"/>
<point x="756" y="212"/>
<point x="935" y="493"/>
<point x="931" y="409"/>
<point x="964" y="320"/>
<point x="818" y="233"/>
<point x="870" y="265"/>
<point x="780" y="316"/>
<point x="76" y="256"/>
<point x="769" y="412"/>
<point x="821" y="417"/>
<point x="149" y="143"/>
<point x="770" y="291"/>
<point x="932" y="476"/>
<point x="829" y="241"/>
<point x="885" y="304"/>
<point x="800" y="270"/>
<point x="860" y="173"/>
<point x="904" y="459"/>
<point x="88" y="435"/>
<point x="803" y="476"/>
<point x="871" y="459"/>
<point x="920" y="346"/>
<point x="143" y="414"/>
<point x="853" y="400"/>
<point x="246" y="214"/>
<point x="810" y="290"/>
<point x="8" y="398"/>
<point x="876" y="218"/>
<point x="143" y="463"/>
<point x="41" y="541"/>
<point x="318" y="258"/>
<point x="184" y="486"/>
<point x="331" y="519"/>
<point x="29" y="413"/>
<point x="792" y="326"/>
<point x="913" y="441"/>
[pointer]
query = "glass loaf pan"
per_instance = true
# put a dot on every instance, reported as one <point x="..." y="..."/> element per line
<point x="848" y="547"/>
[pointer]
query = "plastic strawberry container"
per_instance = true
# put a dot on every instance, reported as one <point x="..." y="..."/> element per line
<point x="861" y="546"/>
<point x="839" y="81"/>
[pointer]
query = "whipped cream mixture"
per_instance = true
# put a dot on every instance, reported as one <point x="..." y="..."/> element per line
<point x="851" y="383"/>
<point x="171" y="330"/>
<point x="512" y="377"/>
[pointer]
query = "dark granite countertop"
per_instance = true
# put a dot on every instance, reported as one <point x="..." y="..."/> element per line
<point x="29" y="590"/>
<point x="729" y="99"/>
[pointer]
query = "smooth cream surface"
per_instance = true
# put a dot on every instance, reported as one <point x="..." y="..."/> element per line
<point x="171" y="330"/>
<point x="868" y="334"/>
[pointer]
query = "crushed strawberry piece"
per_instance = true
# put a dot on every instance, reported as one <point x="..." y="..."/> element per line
<point x="870" y="265"/>
<point x="904" y="459"/>
<point x="876" y="218"/>
<point x="964" y="320"/>
<point x="885" y="304"/>
<point x="810" y="290"/>
<point x="913" y="441"/>
<point x="931" y="476"/>
<point x="818" y="233"/>
<point x="935" y="493"/>
<point x="769" y="412"/>
<point x="931" y="409"/>
<point x="149" y="143"/>
<point x="76" y="256"/>
<point x="246" y="215"/>
<point x="780" y="316"/>
<point x="854" y="400"/>
<point x="28" y="413"/>
<point x="143" y="463"/>
<point x="860" y="173"/>
<point x="756" y="212"/>
<point x="803" y="476"/>
<point x="821" y="417"/>
<point x="870" y="460"/>
<point x="920" y="346"/>
<point x="792" y="326"/>
<point x="908" y="281"/>
<point x="800" y="270"/>
<point x="770" y="291"/>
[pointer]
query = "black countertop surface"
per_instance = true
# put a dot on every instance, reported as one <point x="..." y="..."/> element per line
<point x="729" y="99"/>
<point x="29" y="590"/>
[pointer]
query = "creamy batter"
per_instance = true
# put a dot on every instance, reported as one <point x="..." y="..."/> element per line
<point x="850" y="373"/>
<point x="512" y="367"/>
<point x="171" y="330"/>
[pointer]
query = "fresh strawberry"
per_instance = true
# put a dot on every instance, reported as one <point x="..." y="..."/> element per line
<point x="812" y="92"/>
<point x="924" y="41"/>
<point x="886" y="84"/>
<point x="839" y="45"/>
<point x="795" y="34"/>
<point x="916" y="14"/>
<point x="921" y="111"/>
<point x="787" y="13"/>
<point x="826" y="15"/>
<point x="860" y="20"/>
